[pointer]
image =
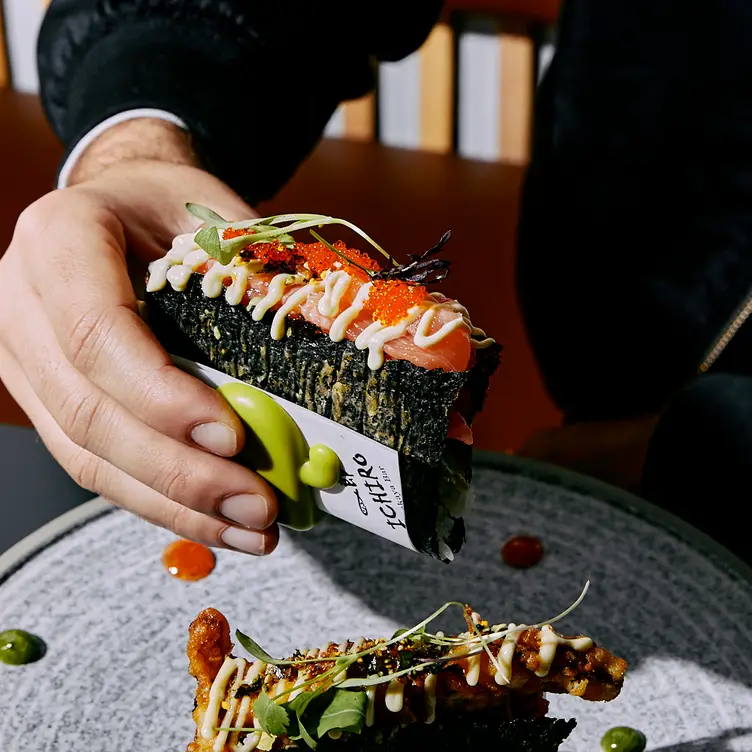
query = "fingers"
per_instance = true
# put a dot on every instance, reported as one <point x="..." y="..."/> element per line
<point x="85" y="290"/>
<point x="99" y="476"/>
<point x="97" y="423"/>
<point x="185" y="522"/>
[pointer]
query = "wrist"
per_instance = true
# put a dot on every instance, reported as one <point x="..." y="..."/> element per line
<point x="137" y="140"/>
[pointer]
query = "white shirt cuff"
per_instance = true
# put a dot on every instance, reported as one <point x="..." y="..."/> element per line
<point x="121" y="117"/>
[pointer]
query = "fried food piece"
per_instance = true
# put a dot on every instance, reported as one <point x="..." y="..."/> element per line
<point x="447" y="683"/>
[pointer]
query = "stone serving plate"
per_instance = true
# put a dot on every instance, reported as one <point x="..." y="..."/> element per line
<point x="663" y="596"/>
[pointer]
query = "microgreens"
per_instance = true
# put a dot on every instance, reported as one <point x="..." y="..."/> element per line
<point x="337" y="702"/>
<point x="205" y="214"/>
<point x="474" y="629"/>
<point x="281" y="227"/>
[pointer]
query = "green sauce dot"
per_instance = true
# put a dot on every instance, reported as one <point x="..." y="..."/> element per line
<point x="18" y="648"/>
<point x="623" y="739"/>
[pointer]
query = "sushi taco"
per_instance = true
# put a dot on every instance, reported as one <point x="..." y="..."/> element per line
<point x="353" y="337"/>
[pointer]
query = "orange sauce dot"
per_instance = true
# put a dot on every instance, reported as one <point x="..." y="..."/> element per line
<point x="187" y="560"/>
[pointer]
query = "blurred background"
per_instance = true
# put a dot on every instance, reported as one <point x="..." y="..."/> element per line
<point x="468" y="90"/>
<point x="441" y="144"/>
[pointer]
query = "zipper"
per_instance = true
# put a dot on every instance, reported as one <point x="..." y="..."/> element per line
<point x="735" y="323"/>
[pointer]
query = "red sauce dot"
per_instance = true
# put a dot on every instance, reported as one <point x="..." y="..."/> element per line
<point x="187" y="560"/>
<point x="522" y="552"/>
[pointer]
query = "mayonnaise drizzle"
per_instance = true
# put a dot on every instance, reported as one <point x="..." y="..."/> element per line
<point x="182" y="245"/>
<point x="296" y="299"/>
<point x="336" y="285"/>
<point x="371" y="705"/>
<point x="234" y="293"/>
<point x="472" y="673"/>
<point x="395" y="695"/>
<point x="376" y="335"/>
<point x="257" y="737"/>
<point x="252" y="740"/>
<point x="214" y="280"/>
<point x="255" y="671"/>
<point x="217" y="695"/>
<point x="196" y="259"/>
<point x="158" y="274"/>
<point x="424" y="339"/>
<point x="342" y="323"/>
<point x="429" y="687"/>
<point x="221" y="738"/>
<point x="185" y="258"/>
<point x="475" y="332"/>
<point x="274" y="294"/>
<point x="178" y="277"/>
<point x="245" y="706"/>
<point x="549" y="641"/>
<point x="506" y="653"/>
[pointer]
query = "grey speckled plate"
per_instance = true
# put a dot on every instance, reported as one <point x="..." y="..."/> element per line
<point x="663" y="596"/>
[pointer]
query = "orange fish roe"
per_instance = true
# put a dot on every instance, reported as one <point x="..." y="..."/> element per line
<point x="390" y="300"/>
<point x="231" y="232"/>
<point x="321" y="259"/>
<point x="273" y="254"/>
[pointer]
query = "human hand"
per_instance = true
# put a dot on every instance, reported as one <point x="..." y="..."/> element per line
<point x="74" y="353"/>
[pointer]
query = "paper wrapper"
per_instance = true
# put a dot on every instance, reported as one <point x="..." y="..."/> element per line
<point x="369" y="494"/>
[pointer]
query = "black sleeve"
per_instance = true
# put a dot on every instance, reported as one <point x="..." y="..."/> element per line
<point x="255" y="80"/>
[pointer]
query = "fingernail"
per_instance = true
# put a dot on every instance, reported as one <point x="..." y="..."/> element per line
<point x="248" y="510"/>
<point x="244" y="540"/>
<point x="218" y="438"/>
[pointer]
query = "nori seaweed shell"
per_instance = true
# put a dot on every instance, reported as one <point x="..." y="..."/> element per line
<point x="400" y="405"/>
<point x="481" y="731"/>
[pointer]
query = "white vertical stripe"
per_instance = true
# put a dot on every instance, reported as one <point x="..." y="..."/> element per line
<point x="399" y="102"/>
<point x="22" y="21"/>
<point x="546" y="50"/>
<point x="335" y="128"/>
<point x="479" y="91"/>
<point x="545" y="56"/>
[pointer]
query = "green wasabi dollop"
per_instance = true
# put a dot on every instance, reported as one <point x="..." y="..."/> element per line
<point x="18" y="647"/>
<point x="623" y="739"/>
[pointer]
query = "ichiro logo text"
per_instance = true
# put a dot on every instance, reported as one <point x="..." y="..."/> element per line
<point x="373" y="487"/>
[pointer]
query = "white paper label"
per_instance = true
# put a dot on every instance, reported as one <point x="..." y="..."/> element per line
<point x="369" y="494"/>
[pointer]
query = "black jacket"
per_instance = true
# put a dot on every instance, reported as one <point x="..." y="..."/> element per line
<point x="636" y="228"/>
<point x="636" y="223"/>
<point x="255" y="80"/>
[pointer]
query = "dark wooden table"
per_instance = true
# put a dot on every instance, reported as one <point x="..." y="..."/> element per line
<point x="402" y="198"/>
